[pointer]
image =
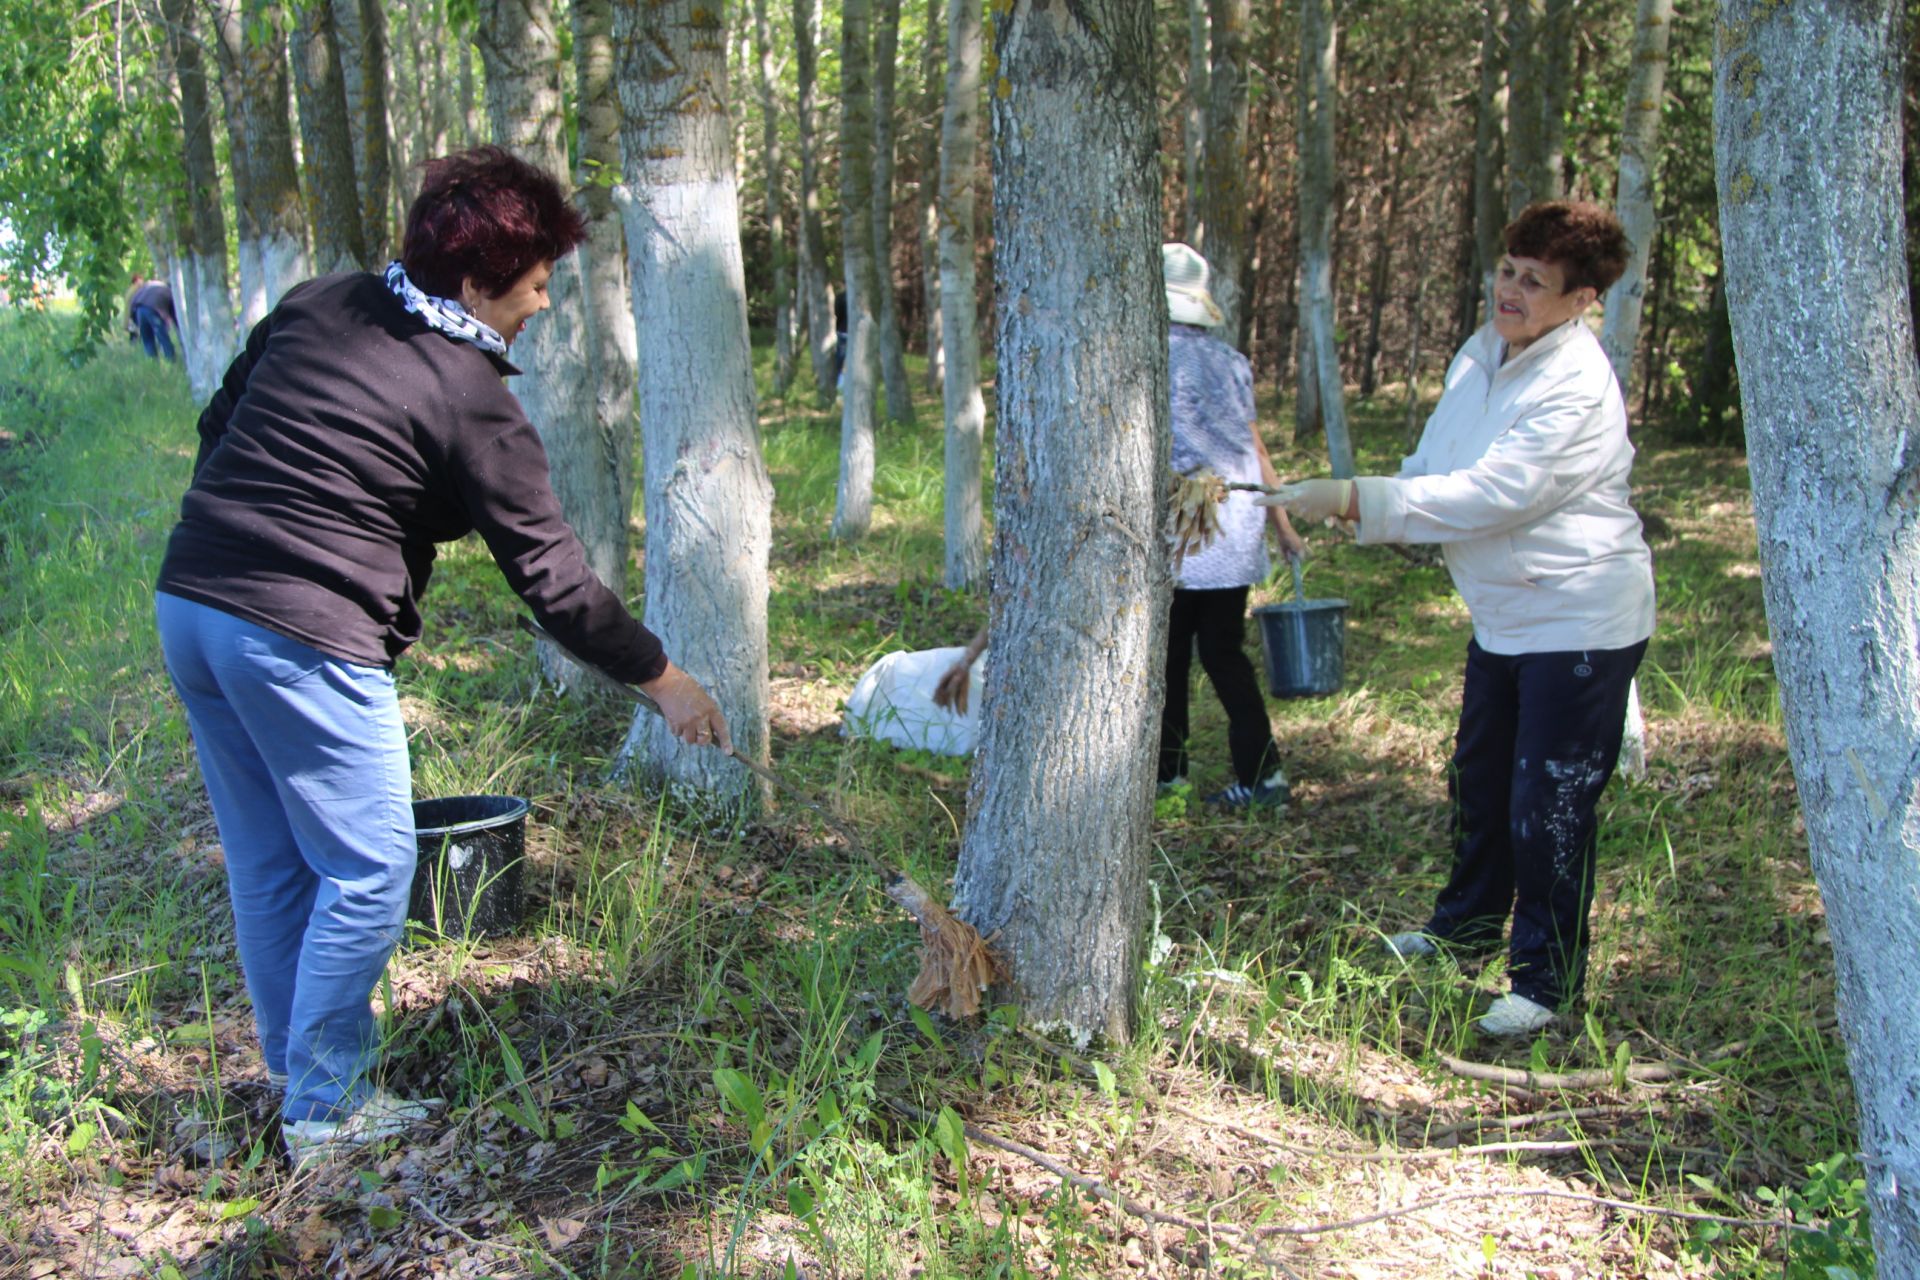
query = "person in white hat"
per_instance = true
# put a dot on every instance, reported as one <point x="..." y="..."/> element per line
<point x="1211" y="388"/>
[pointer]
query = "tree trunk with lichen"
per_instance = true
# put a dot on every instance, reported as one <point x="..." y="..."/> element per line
<point x="709" y="500"/>
<point x="326" y="140"/>
<point x="204" y="307"/>
<point x="1807" y="145"/>
<point x="1054" y="859"/>
<point x="271" y="236"/>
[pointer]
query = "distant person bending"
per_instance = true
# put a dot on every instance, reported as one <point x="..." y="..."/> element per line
<point x="366" y="421"/>
<point x="151" y="309"/>
<point x="1522" y="477"/>
<point x="1213" y="427"/>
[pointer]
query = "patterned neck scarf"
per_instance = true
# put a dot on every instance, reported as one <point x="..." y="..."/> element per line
<point x="445" y="315"/>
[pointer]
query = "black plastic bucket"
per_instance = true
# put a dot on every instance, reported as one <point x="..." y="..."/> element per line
<point x="467" y="883"/>
<point x="1306" y="646"/>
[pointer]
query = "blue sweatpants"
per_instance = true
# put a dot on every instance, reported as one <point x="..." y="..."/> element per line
<point x="1539" y="737"/>
<point x="305" y="760"/>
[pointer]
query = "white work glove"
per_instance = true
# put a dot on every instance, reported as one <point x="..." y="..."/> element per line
<point x="1312" y="500"/>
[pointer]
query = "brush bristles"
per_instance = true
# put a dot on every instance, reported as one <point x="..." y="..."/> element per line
<point x="1194" y="519"/>
<point x="956" y="965"/>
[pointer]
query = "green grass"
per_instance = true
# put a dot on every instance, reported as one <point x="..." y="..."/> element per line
<point x="696" y="1059"/>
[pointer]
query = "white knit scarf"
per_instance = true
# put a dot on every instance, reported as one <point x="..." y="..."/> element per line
<point x="444" y="315"/>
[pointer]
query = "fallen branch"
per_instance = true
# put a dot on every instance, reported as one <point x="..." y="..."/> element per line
<point x="1592" y="1078"/>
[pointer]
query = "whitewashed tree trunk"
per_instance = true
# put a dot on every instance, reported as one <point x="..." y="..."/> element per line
<point x="859" y="408"/>
<point x="932" y="85"/>
<point x="202" y="303"/>
<point x="1054" y="858"/>
<point x="1807" y="134"/>
<point x="272" y="239"/>
<point x="966" y="410"/>
<point x="333" y="199"/>
<point x="775" y="159"/>
<point x="813" y="239"/>
<point x="1224" y="196"/>
<point x="1633" y="200"/>
<point x="1319" y="86"/>
<point x="893" y="356"/>
<point x="1194" y="123"/>
<point x="519" y="43"/>
<point x="709" y="500"/>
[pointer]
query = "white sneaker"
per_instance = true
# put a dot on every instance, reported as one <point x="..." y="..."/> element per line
<point x="1514" y="1015"/>
<point x="1412" y="946"/>
<point x="382" y="1115"/>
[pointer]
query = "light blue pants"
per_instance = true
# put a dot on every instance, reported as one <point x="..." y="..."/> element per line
<point x="305" y="760"/>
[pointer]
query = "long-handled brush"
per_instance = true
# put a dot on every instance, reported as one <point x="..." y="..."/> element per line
<point x="1194" y="521"/>
<point x="956" y="963"/>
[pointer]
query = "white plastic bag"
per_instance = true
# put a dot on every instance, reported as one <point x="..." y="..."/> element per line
<point x="893" y="702"/>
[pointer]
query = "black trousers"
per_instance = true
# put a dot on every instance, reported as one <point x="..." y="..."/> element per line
<point x="1215" y="623"/>
<point x="1539" y="737"/>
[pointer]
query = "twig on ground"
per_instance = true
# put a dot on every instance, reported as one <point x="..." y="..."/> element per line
<point x="1531" y="1193"/>
<point x="1531" y="1119"/>
<point x="504" y="1246"/>
<point x="1592" y="1078"/>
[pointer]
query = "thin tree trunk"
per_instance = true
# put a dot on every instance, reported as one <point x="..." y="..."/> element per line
<point x="1489" y="146"/>
<point x="1224" y="187"/>
<point x="1639" y="134"/>
<point x="1807" y="145"/>
<point x="1557" y="80"/>
<point x="893" y="362"/>
<point x="783" y="363"/>
<point x="406" y="152"/>
<point x="708" y="497"/>
<point x="813" y="239"/>
<point x="1199" y="97"/>
<point x="520" y="46"/>
<point x="1530" y="176"/>
<point x="1054" y="859"/>
<point x="931" y="83"/>
<point x="1318" y="90"/>
<point x="205" y="309"/>
<point x="360" y="29"/>
<point x="1386" y="222"/>
<point x="853" y="498"/>
<point x="966" y="413"/>
<point x="333" y="200"/>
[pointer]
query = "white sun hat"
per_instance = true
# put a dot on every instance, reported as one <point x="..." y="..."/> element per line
<point x="1186" y="273"/>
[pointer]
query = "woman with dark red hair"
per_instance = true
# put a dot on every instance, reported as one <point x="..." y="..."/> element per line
<point x="366" y="421"/>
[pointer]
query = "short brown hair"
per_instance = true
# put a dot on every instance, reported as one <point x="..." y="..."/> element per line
<point x="488" y="216"/>
<point x="1586" y="240"/>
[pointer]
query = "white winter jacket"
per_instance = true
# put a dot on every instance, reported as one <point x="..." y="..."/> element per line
<point x="1521" y="476"/>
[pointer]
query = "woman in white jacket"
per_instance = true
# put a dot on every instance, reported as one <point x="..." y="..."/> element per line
<point x="1521" y="477"/>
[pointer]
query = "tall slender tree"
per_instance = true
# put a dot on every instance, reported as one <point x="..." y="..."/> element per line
<point x="1223" y="185"/>
<point x="775" y="162"/>
<point x="708" y="497"/>
<point x="1807" y="145"/>
<point x="250" y="41"/>
<point x="1633" y="199"/>
<point x="817" y="299"/>
<point x="1489" y="144"/>
<point x="326" y="141"/>
<point x="204" y="307"/>
<point x="1194" y="122"/>
<point x="1320" y="356"/>
<point x="1054" y="858"/>
<point x="966" y="412"/>
<point x="886" y="58"/>
<point x="932" y="85"/>
<point x="853" y="499"/>
<point x="360" y="31"/>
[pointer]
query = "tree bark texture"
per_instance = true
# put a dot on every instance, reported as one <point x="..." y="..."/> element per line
<point x="893" y="356"/>
<point x="1223" y="185"/>
<point x="1633" y="200"/>
<point x="1489" y="146"/>
<point x="1194" y="123"/>
<point x="813" y="237"/>
<point x="611" y="338"/>
<point x="1319" y="86"/>
<point x="360" y="31"/>
<point x="1054" y="857"/>
<point x="859" y="408"/>
<point x="776" y="213"/>
<point x="1807" y="142"/>
<point x="932" y="85"/>
<point x="204" y="308"/>
<point x="519" y="43"/>
<point x="965" y="408"/>
<point x="326" y="141"/>
<point x="1530" y="176"/>
<point x="272" y="239"/>
<point x="1556" y="62"/>
<point x="709" y="500"/>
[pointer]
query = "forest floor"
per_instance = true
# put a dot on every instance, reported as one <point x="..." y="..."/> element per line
<point x="696" y="1059"/>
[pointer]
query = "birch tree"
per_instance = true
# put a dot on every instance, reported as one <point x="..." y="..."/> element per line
<point x="1633" y="199"/>
<point x="931" y="83"/>
<point x="708" y="497"/>
<point x="966" y="410"/>
<point x="817" y="301"/>
<point x="1807" y="141"/>
<point x="1054" y="857"/>
<point x="519" y="44"/>
<point x="1223" y="184"/>
<point x="204" y="307"/>
<point x="776" y="213"/>
<point x="326" y="141"/>
<point x="853" y="496"/>
<point x="1194" y="121"/>
<point x="1320" y="358"/>
<point x="893" y="360"/>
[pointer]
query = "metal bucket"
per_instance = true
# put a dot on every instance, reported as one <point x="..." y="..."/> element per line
<point x="1306" y="646"/>
<point x="467" y="882"/>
